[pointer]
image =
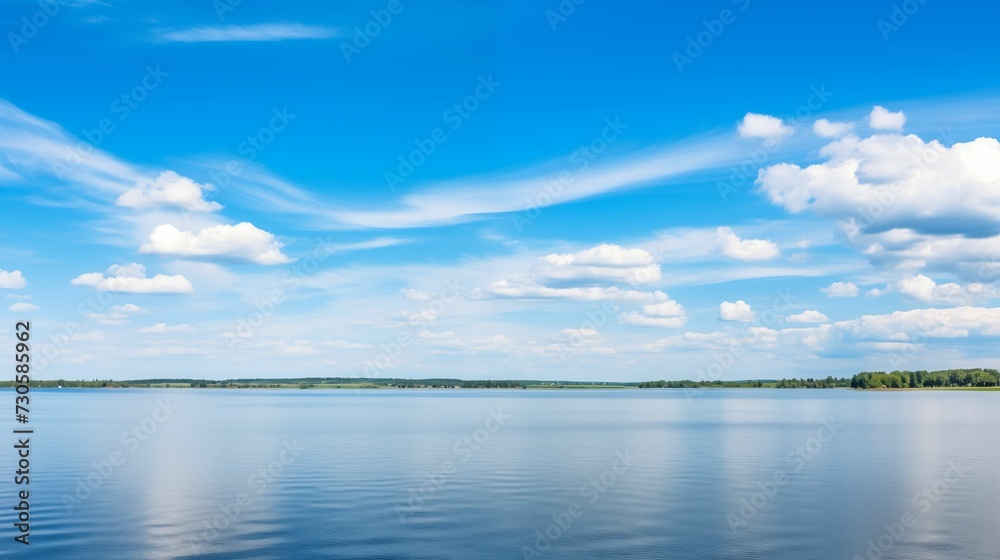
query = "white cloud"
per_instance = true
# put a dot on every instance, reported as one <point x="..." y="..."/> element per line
<point x="639" y="320"/>
<point x="256" y="32"/>
<point x="129" y="308"/>
<point x="242" y="241"/>
<point x="738" y="311"/>
<point x="473" y="198"/>
<point x="131" y="278"/>
<point x="883" y="119"/>
<point x="692" y="341"/>
<point x="118" y="314"/>
<point x="840" y="289"/>
<point x="584" y="276"/>
<point x="22" y="307"/>
<point x="604" y="262"/>
<point x="730" y="245"/>
<point x="18" y="296"/>
<point x="828" y="129"/>
<point x="168" y="190"/>
<point x="579" y="335"/>
<point x="12" y="280"/>
<point x="163" y="328"/>
<point x="905" y="327"/>
<point x="755" y="125"/>
<point x="416" y="295"/>
<point x="666" y="313"/>
<point x="899" y="332"/>
<point x="809" y="316"/>
<point x="44" y="154"/>
<point x="512" y="289"/>
<point x="446" y="335"/>
<point x="926" y="290"/>
<point x="668" y="308"/>
<point x="905" y="203"/>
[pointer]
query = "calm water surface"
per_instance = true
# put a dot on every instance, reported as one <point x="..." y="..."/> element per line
<point x="463" y="474"/>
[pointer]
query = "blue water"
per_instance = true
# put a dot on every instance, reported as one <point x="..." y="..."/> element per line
<point x="466" y="474"/>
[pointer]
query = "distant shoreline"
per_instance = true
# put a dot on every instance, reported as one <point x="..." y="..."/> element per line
<point x="868" y="381"/>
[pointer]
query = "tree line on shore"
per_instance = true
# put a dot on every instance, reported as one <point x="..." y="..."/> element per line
<point x="793" y="383"/>
<point x="978" y="377"/>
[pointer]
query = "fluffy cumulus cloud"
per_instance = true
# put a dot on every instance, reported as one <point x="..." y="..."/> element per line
<point x="12" y="280"/>
<point x="730" y="245"/>
<point x="666" y="313"/>
<point x="131" y="278"/>
<point x="519" y="290"/>
<point x="21" y="307"/>
<point x="637" y="319"/>
<point x="926" y="290"/>
<point x="840" y="289"/>
<point x="602" y="273"/>
<point x="904" y="202"/>
<point x="242" y="241"/>
<point x="884" y="119"/>
<point x="900" y="329"/>
<point x="895" y="337"/>
<point x="168" y="190"/>
<point x="736" y="311"/>
<point x="755" y="125"/>
<point x="905" y="174"/>
<point x="602" y="263"/>
<point x="808" y="316"/>
<point x="828" y="129"/>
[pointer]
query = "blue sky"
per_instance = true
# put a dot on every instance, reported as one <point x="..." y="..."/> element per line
<point x="613" y="191"/>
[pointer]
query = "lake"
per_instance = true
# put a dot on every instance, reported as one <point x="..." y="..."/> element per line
<point x="466" y="474"/>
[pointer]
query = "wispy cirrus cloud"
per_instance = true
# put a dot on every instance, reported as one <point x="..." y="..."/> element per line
<point x="468" y="199"/>
<point x="256" y="32"/>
